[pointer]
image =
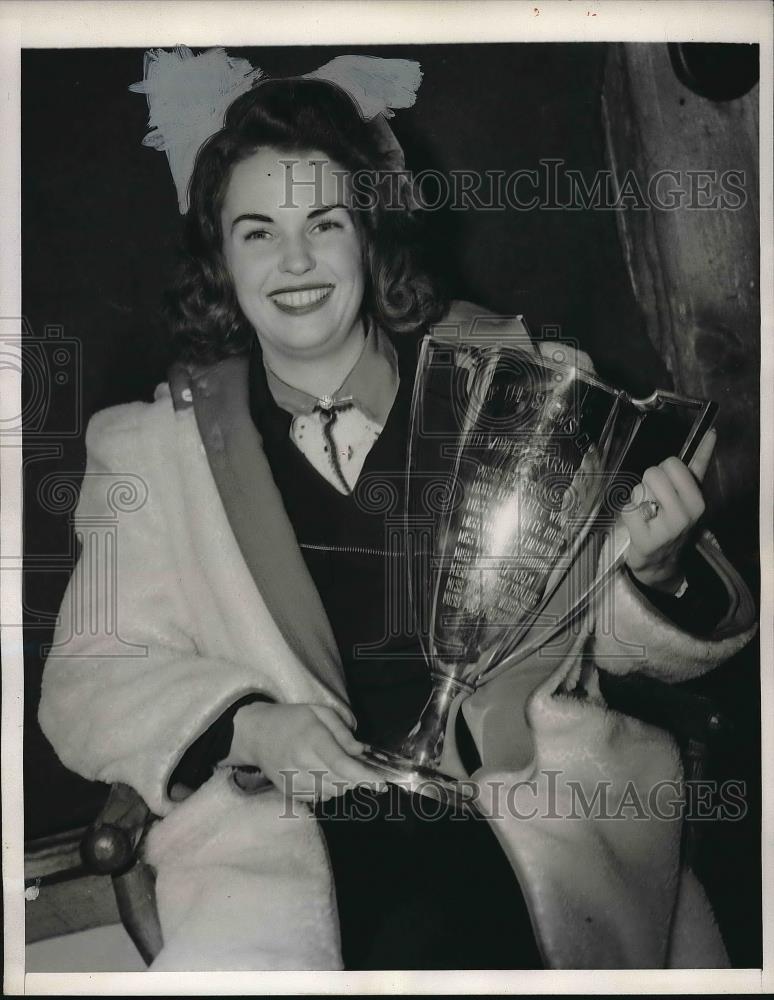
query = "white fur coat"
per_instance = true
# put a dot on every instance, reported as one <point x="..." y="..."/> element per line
<point x="163" y="627"/>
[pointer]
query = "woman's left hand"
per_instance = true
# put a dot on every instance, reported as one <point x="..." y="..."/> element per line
<point x="655" y="551"/>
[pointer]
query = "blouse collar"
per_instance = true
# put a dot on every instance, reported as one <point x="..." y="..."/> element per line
<point x="372" y="383"/>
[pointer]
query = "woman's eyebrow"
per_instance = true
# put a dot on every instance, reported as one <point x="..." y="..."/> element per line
<point x="251" y="217"/>
<point x="327" y="208"/>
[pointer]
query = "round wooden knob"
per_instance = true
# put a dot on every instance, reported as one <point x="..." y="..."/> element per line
<point x="107" y="850"/>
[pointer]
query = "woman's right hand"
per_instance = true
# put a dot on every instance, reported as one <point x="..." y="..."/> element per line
<point x="306" y="751"/>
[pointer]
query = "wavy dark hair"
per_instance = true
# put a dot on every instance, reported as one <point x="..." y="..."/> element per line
<point x="293" y="116"/>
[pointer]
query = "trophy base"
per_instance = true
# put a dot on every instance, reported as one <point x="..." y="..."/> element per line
<point x="406" y="774"/>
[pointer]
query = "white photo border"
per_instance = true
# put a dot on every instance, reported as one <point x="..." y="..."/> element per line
<point x="206" y="23"/>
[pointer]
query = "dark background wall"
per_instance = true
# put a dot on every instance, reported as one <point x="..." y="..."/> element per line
<point x="100" y="228"/>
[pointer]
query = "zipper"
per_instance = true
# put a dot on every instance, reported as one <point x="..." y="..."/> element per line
<point x="360" y="550"/>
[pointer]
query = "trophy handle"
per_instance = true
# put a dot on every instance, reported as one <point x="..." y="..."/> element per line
<point x="706" y="412"/>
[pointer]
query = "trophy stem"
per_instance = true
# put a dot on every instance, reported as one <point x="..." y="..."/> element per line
<point x="424" y="744"/>
<point x="415" y="765"/>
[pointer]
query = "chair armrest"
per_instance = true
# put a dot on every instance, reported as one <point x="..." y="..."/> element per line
<point x="110" y="844"/>
<point x="109" y="847"/>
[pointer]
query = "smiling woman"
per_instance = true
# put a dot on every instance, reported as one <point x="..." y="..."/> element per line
<point x="297" y="263"/>
<point x="280" y="174"/>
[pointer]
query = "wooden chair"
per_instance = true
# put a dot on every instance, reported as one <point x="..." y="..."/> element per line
<point x="93" y="877"/>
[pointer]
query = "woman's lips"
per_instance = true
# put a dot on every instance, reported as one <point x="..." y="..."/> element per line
<point x="300" y="301"/>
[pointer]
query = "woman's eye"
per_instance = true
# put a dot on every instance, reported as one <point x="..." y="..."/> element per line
<point x="258" y="234"/>
<point x="326" y="225"/>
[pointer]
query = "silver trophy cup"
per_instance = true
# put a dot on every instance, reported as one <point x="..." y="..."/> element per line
<point x="512" y="457"/>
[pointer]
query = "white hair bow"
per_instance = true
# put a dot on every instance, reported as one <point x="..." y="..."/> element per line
<point x="188" y="96"/>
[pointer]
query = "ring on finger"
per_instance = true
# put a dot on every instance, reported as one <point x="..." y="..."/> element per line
<point x="649" y="509"/>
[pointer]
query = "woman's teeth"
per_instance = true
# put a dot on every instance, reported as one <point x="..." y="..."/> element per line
<point x="302" y="299"/>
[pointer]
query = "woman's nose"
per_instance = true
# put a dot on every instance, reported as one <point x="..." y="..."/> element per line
<point x="297" y="256"/>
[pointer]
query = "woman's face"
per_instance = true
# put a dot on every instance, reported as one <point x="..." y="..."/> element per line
<point x="294" y="253"/>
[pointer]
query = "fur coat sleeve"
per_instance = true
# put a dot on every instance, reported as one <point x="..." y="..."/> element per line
<point x="149" y="649"/>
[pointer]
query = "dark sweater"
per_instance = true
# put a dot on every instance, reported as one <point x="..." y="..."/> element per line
<point x="354" y="551"/>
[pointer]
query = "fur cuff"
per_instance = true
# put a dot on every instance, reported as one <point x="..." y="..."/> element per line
<point x="632" y="635"/>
